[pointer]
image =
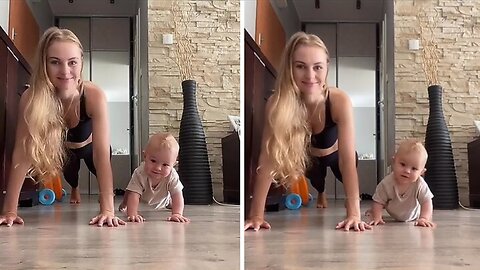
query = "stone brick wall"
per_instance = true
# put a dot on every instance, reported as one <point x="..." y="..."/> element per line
<point x="214" y="30"/>
<point x="458" y="37"/>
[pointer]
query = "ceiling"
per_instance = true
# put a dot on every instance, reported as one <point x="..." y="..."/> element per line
<point x="92" y="7"/>
<point x="336" y="10"/>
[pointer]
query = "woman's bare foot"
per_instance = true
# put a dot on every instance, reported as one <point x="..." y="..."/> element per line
<point x="322" y="200"/>
<point x="75" y="196"/>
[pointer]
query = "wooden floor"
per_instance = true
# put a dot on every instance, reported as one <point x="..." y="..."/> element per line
<point x="306" y="239"/>
<point x="59" y="237"/>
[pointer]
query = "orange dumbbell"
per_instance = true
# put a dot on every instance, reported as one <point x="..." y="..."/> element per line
<point x="52" y="191"/>
<point x="298" y="194"/>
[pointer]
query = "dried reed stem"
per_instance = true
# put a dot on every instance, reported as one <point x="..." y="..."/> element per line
<point x="183" y="46"/>
<point x="430" y="52"/>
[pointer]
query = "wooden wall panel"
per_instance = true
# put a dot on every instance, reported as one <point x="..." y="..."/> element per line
<point x="25" y="29"/>
<point x="270" y="35"/>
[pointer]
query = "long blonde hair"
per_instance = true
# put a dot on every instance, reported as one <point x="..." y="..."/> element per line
<point x="44" y="113"/>
<point x="289" y="141"/>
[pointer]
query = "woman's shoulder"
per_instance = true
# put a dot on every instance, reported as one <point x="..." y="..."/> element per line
<point x="338" y="95"/>
<point x="91" y="87"/>
<point x="93" y="92"/>
<point x="340" y="103"/>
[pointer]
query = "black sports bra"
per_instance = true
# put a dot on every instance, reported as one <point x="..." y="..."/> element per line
<point x="82" y="131"/>
<point x="329" y="134"/>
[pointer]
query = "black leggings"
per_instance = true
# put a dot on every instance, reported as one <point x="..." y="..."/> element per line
<point x="72" y="163"/>
<point x="318" y="170"/>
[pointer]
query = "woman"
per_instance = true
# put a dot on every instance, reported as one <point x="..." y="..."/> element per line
<point x="305" y="117"/>
<point x="58" y="106"/>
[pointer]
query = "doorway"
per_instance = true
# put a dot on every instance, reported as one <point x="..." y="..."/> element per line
<point x="107" y="44"/>
<point x="354" y="68"/>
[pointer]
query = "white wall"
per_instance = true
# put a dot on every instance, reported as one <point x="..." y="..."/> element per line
<point x="119" y="115"/>
<point x="4" y="11"/>
<point x="110" y="71"/>
<point x="248" y="9"/>
<point x="356" y="75"/>
<point x="364" y="119"/>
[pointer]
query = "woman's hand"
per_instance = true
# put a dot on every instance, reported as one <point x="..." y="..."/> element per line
<point x="353" y="222"/>
<point x="10" y="218"/>
<point x="256" y="223"/>
<point x="107" y="217"/>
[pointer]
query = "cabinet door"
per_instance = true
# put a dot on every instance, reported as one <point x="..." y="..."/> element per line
<point x="3" y="91"/>
<point x="259" y="83"/>
<point x="23" y="29"/>
<point x="17" y="81"/>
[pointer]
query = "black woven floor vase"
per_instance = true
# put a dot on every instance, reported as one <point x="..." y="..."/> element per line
<point x="194" y="165"/>
<point x="441" y="174"/>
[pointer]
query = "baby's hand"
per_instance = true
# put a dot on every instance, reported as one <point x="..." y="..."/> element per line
<point x="136" y="218"/>
<point x="423" y="222"/>
<point x="376" y="221"/>
<point x="176" y="217"/>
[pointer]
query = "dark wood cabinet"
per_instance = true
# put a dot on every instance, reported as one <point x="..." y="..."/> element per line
<point x="231" y="168"/>
<point x="473" y="149"/>
<point x="14" y="78"/>
<point x="259" y="77"/>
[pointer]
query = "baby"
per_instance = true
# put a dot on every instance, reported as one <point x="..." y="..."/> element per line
<point x="155" y="181"/>
<point x="404" y="193"/>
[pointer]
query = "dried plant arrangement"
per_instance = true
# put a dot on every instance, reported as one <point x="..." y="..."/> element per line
<point x="184" y="49"/>
<point x="430" y="52"/>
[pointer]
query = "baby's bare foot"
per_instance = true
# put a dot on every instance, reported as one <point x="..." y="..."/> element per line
<point x="122" y="207"/>
<point x="322" y="200"/>
<point x="75" y="196"/>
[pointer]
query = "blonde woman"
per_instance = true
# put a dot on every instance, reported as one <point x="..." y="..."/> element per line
<point x="307" y="125"/>
<point x="61" y="119"/>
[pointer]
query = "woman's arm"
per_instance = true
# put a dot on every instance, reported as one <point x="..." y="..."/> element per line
<point x="18" y="169"/>
<point x="96" y="106"/>
<point x="342" y="114"/>
<point x="263" y="181"/>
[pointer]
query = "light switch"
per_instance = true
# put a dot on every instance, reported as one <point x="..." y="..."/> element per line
<point x="414" y="44"/>
<point x="167" y="39"/>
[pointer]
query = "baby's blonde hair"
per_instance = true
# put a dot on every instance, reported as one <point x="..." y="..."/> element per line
<point x="162" y="141"/>
<point x="412" y="146"/>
